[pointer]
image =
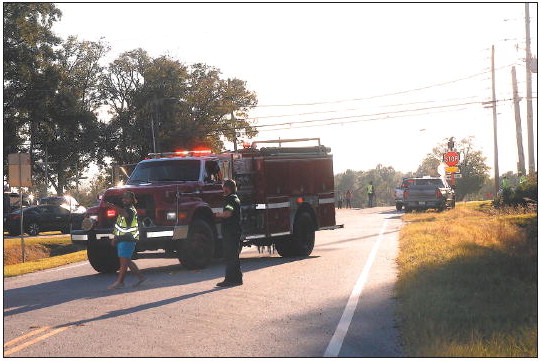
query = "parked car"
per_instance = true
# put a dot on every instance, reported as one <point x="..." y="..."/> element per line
<point x="44" y="218"/>
<point x="429" y="192"/>
<point x="67" y="202"/>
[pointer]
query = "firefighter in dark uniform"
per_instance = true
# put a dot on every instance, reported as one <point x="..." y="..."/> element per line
<point x="231" y="232"/>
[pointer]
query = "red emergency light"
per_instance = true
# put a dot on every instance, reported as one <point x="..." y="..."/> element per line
<point x="111" y="213"/>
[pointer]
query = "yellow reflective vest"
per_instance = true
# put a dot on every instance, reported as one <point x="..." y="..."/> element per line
<point x="122" y="228"/>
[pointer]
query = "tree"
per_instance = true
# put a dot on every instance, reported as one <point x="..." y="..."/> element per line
<point x="69" y="130"/>
<point x="161" y="103"/>
<point x="472" y="165"/>
<point x="28" y="53"/>
<point x="384" y="179"/>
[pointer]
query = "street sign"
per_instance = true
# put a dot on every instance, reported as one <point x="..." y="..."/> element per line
<point x="457" y="175"/>
<point x="452" y="170"/>
<point x="20" y="174"/>
<point x="451" y="158"/>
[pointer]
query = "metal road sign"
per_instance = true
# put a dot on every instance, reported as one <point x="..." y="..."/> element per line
<point x="20" y="173"/>
<point x="451" y="158"/>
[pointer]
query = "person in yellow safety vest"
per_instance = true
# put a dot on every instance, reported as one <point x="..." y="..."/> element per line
<point x="371" y="192"/>
<point x="126" y="233"/>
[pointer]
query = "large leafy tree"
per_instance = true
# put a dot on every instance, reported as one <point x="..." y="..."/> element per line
<point x="473" y="166"/>
<point x="70" y="131"/>
<point x="28" y="49"/>
<point x="161" y="104"/>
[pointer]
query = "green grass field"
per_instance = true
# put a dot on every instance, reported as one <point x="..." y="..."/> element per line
<point x="468" y="283"/>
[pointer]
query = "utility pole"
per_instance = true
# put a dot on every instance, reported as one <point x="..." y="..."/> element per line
<point x="234" y="131"/>
<point x="495" y="121"/>
<point x="518" y="122"/>
<point x="529" y="110"/>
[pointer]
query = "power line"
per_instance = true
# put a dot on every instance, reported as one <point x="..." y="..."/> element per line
<point x="338" y="121"/>
<point x="371" y="115"/>
<point x="384" y="95"/>
<point x="351" y="109"/>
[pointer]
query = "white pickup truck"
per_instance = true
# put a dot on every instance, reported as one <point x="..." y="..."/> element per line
<point x="399" y="193"/>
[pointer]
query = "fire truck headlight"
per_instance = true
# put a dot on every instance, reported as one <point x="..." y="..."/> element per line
<point x="171" y="216"/>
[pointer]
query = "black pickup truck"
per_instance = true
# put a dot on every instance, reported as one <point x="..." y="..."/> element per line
<point x="428" y="193"/>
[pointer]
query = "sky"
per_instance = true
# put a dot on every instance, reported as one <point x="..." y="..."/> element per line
<point x="377" y="83"/>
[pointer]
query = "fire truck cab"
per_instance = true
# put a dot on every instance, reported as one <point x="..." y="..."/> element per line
<point x="286" y="193"/>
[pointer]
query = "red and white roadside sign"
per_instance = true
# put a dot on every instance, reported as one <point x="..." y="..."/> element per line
<point x="451" y="158"/>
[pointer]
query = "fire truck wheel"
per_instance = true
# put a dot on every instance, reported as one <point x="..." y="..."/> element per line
<point x="302" y="242"/>
<point x="102" y="257"/>
<point x="399" y="206"/>
<point x="197" y="251"/>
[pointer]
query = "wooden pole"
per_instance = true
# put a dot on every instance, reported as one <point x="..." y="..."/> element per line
<point x="518" y="122"/>
<point x="495" y="123"/>
<point x="529" y="110"/>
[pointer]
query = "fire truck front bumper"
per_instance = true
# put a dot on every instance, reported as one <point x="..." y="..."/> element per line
<point x="147" y="234"/>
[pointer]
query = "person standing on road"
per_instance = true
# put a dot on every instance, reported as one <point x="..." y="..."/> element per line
<point x="231" y="232"/>
<point x="349" y="195"/>
<point x="371" y="192"/>
<point x="126" y="233"/>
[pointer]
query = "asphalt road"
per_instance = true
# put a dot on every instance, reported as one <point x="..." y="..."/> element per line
<point x="337" y="302"/>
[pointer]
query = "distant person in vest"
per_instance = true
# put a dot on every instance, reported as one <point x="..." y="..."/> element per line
<point x="371" y="192"/>
<point x="231" y="232"/>
<point x="126" y="234"/>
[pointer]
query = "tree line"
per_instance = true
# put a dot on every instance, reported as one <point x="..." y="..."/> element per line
<point x="55" y="88"/>
<point x="473" y="184"/>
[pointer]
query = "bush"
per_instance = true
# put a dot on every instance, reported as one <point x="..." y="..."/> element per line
<point x="525" y="193"/>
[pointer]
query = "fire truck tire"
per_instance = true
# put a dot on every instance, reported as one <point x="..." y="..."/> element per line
<point x="302" y="241"/>
<point x="197" y="251"/>
<point x="399" y="206"/>
<point x="103" y="257"/>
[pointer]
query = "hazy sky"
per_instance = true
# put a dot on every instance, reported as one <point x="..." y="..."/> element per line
<point x="388" y="81"/>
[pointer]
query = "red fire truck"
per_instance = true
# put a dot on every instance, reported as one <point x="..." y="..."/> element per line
<point x="287" y="193"/>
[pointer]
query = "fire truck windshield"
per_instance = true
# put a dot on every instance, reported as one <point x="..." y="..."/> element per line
<point x="180" y="170"/>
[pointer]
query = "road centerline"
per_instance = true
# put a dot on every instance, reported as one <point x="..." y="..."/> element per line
<point x="22" y="346"/>
<point x="333" y="349"/>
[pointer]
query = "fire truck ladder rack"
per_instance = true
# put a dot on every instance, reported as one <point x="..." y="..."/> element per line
<point x="313" y="150"/>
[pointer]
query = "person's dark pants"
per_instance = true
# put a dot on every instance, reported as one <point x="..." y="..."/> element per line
<point x="370" y="199"/>
<point x="231" y="256"/>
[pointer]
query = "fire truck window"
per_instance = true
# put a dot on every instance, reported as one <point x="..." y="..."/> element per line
<point x="165" y="171"/>
<point x="212" y="172"/>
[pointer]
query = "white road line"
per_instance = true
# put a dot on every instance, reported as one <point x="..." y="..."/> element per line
<point x="333" y="349"/>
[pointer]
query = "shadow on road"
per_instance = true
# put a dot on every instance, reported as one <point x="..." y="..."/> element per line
<point x="43" y="295"/>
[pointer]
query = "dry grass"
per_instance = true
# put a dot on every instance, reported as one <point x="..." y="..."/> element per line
<point x="468" y="283"/>
<point x="45" y="263"/>
<point x="40" y="253"/>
